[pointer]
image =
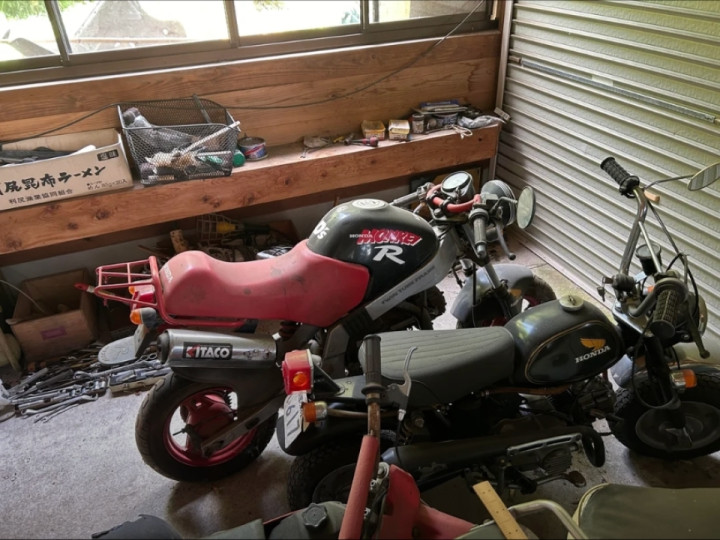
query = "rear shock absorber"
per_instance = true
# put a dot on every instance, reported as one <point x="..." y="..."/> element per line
<point x="287" y="329"/>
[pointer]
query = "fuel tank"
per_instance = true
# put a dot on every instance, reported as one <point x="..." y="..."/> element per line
<point x="563" y="341"/>
<point x="390" y="241"/>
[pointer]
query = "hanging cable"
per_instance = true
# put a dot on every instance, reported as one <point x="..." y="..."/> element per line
<point x="290" y="106"/>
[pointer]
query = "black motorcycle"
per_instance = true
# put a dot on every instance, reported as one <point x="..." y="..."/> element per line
<point x="511" y="403"/>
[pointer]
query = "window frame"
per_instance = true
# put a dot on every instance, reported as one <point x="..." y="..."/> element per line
<point x="67" y="66"/>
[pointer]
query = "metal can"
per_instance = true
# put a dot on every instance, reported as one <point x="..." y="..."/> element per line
<point x="418" y="123"/>
<point x="253" y="148"/>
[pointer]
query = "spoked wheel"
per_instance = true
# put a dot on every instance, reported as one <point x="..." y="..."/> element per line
<point x="490" y="314"/>
<point x="650" y="431"/>
<point x="178" y="415"/>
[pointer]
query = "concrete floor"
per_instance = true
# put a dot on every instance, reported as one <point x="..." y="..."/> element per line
<point x="81" y="473"/>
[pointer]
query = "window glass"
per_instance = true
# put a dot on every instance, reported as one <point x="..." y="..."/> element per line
<point x="264" y="17"/>
<point x="99" y="25"/>
<point x="45" y="40"/>
<point x="25" y="30"/>
<point x="383" y="11"/>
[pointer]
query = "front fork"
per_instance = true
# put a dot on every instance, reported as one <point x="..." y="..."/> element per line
<point x="666" y="387"/>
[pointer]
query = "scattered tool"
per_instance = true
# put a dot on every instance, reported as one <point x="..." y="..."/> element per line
<point x="75" y="380"/>
<point x="369" y="141"/>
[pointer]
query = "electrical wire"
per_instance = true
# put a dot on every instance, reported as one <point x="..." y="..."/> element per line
<point x="26" y="295"/>
<point x="402" y="68"/>
<point x="275" y="107"/>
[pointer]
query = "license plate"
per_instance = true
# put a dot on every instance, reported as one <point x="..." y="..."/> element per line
<point x="292" y="414"/>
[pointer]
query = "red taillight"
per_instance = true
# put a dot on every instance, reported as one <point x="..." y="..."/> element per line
<point x="297" y="370"/>
<point x="143" y="293"/>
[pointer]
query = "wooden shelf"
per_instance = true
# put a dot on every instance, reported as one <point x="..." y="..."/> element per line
<point x="282" y="175"/>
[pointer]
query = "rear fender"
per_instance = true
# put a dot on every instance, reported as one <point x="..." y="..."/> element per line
<point x="518" y="278"/>
<point x="253" y="386"/>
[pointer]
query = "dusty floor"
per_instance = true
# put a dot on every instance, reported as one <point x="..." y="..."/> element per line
<point x="81" y="473"/>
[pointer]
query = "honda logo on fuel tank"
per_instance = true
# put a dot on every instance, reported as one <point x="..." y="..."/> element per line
<point x="597" y="346"/>
<point x="207" y="350"/>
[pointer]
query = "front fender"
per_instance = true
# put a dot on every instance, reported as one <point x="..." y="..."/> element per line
<point x="518" y="278"/>
<point x="687" y="356"/>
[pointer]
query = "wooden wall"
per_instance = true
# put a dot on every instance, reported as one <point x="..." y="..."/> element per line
<point x="263" y="95"/>
<point x="463" y="67"/>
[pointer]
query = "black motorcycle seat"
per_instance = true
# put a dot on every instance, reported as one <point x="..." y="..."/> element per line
<point x="448" y="364"/>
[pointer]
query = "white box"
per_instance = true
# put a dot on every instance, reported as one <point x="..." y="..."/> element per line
<point x="103" y="169"/>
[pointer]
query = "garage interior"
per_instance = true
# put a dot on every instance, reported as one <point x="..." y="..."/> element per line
<point x="570" y="83"/>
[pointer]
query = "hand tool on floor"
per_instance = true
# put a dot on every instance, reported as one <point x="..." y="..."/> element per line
<point x="368" y="141"/>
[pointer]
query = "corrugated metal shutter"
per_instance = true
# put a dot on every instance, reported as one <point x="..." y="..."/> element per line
<point x="636" y="80"/>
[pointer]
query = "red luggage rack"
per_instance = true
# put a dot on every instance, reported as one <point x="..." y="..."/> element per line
<point x="112" y="278"/>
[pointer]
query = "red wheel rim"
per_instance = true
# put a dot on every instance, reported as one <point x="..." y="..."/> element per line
<point x="208" y="405"/>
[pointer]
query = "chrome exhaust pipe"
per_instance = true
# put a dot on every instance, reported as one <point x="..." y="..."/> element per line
<point x="194" y="348"/>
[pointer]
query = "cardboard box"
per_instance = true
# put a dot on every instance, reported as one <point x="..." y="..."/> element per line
<point x="398" y="130"/>
<point x="104" y="168"/>
<point x="373" y="128"/>
<point x="71" y="324"/>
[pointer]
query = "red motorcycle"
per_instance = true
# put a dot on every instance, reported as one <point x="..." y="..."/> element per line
<point x="369" y="266"/>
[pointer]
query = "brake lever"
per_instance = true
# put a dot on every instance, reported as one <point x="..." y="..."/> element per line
<point x="404" y="388"/>
<point x="501" y="239"/>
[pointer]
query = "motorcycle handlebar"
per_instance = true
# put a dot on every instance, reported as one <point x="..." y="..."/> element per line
<point x="666" y="313"/>
<point x="372" y="360"/>
<point x="479" y="219"/>
<point x="667" y="297"/>
<point x="406" y="199"/>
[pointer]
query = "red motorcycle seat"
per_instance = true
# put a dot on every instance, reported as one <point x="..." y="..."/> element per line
<point x="299" y="286"/>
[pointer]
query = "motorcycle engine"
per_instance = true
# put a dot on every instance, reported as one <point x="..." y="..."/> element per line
<point x="594" y="398"/>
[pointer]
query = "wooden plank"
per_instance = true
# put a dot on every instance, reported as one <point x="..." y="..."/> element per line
<point x="66" y="101"/>
<point x="391" y="99"/>
<point x="499" y="512"/>
<point x="281" y="176"/>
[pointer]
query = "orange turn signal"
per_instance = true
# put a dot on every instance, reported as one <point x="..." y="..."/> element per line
<point x="135" y="317"/>
<point x="690" y="378"/>
<point x="314" y="411"/>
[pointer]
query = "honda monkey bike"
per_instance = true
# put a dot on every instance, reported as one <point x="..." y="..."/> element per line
<point x="368" y="266"/>
<point x="512" y="403"/>
<point x="384" y="501"/>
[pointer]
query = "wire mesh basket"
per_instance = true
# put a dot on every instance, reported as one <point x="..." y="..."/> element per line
<point x="179" y="139"/>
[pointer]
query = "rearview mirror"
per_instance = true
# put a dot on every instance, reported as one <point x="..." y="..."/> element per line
<point x="705" y="177"/>
<point x="526" y="207"/>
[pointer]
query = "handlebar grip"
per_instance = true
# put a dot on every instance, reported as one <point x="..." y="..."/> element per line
<point x="614" y="170"/>
<point x="624" y="179"/>
<point x="480" y="233"/>
<point x="665" y="315"/>
<point x="406" y="199"/>
<point x="372" y="360"/>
